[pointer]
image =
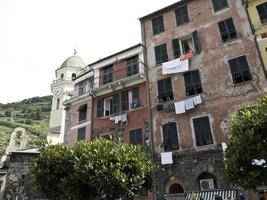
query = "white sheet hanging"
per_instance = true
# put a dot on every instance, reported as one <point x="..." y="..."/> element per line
<point x="175" y="66"/>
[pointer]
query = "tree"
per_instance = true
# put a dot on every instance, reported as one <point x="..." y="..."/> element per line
<point x="247" y="143"/>
<point x="97" y="170"/>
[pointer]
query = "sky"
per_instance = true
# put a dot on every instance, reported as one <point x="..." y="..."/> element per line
<point x="36" y="36"/>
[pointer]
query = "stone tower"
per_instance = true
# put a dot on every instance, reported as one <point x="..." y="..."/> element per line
<point x="62" y="89"/>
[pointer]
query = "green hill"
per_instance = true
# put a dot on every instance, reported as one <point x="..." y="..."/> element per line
<point x="31" y="114"/>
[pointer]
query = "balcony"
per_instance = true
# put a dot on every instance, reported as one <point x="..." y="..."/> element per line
<point x="110" y="80"/>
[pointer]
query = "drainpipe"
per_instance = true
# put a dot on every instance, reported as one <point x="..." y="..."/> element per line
<point x="151" y="131"/>
<point x="245" y="4"/>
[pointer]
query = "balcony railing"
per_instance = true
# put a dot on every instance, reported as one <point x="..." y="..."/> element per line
<point x="107" y="77"/>
<point x="103" y="81"/>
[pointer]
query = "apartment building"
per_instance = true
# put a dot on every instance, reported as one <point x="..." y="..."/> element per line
<point x="202" y="64"/>
<point x="257" y="10"/>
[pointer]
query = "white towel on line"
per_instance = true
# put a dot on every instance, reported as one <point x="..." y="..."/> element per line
<point x="179" y="107"/>
<point x="175" y="66"/>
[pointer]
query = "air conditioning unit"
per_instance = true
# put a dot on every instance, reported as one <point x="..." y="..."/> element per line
<point x="206" y="184"/>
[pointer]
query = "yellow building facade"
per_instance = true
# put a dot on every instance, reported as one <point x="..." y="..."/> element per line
<point x="257" y="10"/>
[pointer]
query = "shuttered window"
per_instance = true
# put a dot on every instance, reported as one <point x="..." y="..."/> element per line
<point x="202" y="131"/>
<point x="81" y="133"/>
<point x="262" y="11"/>
<point x="196" y="41"/>
<point x="170" y="137"/>
<point x="219" y="4"/>
<point x="161" y="54"/>
<point x="132" y="66"/>
<point x="227" y="30"/>
<point x="107" y="71"/>
<point x="192" y="83"/>
<point x="240" y="69"/>
<point x="136" y="136"/>
<point x="165" y="90"/>
<point x="115" y="104"/>
<point x="176" y="48"/>
<point x="82" y="112"/>
<point x="130" y="99"/>
<point x="181" y="15"/>
<point x="158" y="25"/>
<point x="100" y="108"/>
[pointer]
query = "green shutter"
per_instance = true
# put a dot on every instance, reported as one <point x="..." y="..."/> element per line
<point x="176" y="48"/>
<point x="115" y="105"/>
<point x="135" y="98"/>
<point x="196" y="41"/>
<point x="124" y="100"/>
<point x="100" y="108"/>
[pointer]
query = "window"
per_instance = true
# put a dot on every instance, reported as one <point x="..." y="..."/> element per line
<point x="202" y="131"/>
<point x="185" y="45"/>
<point x="82" y="89"/>
<point x="73" y="76"/>
<point x="219" y="4"/>
<point x="192" y="83"/>
<point x="262" y="11"/>
<point x="170" y="138"/>
<point x="158" y="25"/>
<point x="136" y="136"/>
<point x="176" y="188"/>
<point x="227" y="30"/>
<point x="132" y="66"/>
<point x="165" y="90"/>
<point x="107" y="106"/>
<point x="181" y="15"/>
<point x="161" y="53"/>
<point x="240" y="70"/>
<point x="81" y="133"/>
<point x="62" y="76"/>
<point x="130" y="99"/>
<point x="206" y="181"/>
<point x="82" y="112"/>
<point x="58" y="102"/>
<point x="107" y="71"/>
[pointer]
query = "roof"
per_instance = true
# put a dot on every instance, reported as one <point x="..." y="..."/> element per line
<point x="210" y="194"/>
<point x="110" y="56"/>
<point x="73" y="61"/>
<point x="165" y="9"/>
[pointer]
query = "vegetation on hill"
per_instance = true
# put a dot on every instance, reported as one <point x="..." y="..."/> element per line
<point x="31" y="114"/>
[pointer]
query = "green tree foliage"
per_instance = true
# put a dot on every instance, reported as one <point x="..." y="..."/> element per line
<point x="91" y="171"/>
<point x="248" y="141"/>
<point x="8" y="112"/>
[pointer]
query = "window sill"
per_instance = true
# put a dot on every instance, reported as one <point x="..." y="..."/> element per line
<point x="230" y="41"/>
<point x="217" y="12"/>
<point x="183" y="24"/>
<point x="243" y="83"/>
<point x="82" y="121"/>
<point x="205" y="147"/>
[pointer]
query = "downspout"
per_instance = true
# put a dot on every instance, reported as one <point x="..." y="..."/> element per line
<point x="245" y="4"/>
<point x="151" y="131"/>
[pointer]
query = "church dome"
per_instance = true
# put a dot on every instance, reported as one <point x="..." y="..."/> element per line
<point x="73" y="61"/>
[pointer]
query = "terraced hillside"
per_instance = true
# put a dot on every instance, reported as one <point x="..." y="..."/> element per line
<point x="31" y="114"/>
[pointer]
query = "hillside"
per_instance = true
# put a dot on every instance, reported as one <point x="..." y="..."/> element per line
<point x="31" y="114"/>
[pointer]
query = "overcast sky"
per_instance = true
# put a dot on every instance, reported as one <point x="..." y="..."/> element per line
<point x="36" y="36"/>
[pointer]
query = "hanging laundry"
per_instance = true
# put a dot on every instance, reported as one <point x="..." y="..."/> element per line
<point x="166" y="107"/>
<point x="159" y="107"/>
<point x="117" y="119"/>
<point x="179" y="107"/>
<point x="166" y="158"/>
<point x="186" y="56"/>
<point x="197" y="100"/>
<point x="175" y="66"/>
<point x="189" y="104"/>
<point x="171" y="107"/>
<point x="124" y="118"/>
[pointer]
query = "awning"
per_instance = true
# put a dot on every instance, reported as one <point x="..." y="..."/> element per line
<point x="210" y="194"/>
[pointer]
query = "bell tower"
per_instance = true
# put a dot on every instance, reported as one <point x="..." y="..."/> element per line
<point x="61" y="89"/>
